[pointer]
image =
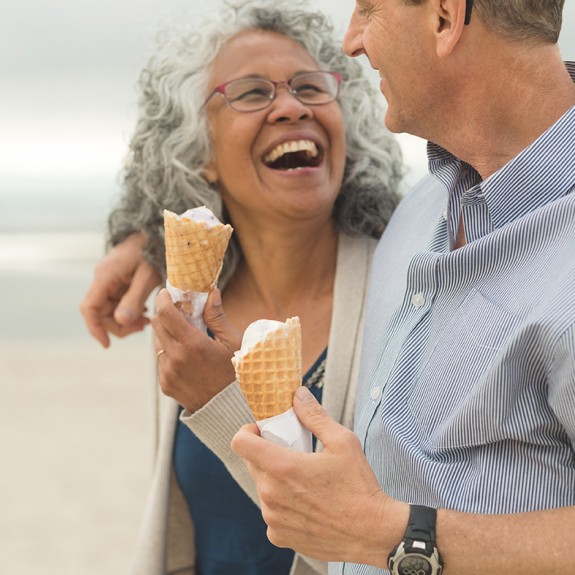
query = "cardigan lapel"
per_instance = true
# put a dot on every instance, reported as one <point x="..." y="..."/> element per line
<point x="350" y="287"/>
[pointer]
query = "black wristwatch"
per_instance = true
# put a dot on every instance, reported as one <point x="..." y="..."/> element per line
<point x="417" y="554"/>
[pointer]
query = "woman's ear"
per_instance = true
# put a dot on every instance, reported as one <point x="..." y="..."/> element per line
<point x="210" y="173"/>
<point x="448" y="24"/>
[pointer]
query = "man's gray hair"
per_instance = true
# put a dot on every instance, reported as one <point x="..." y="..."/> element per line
<point x="171" y="143"/>
<point x="536" y="20"/>
<point x="532" y="20"/>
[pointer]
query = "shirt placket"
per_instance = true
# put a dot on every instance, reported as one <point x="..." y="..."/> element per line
<point x="417" y="303"/>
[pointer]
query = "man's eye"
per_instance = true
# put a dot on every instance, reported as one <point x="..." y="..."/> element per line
<point x="363" y="12"/>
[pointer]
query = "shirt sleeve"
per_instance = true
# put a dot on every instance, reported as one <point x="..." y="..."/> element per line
<point x="562" y="383"/>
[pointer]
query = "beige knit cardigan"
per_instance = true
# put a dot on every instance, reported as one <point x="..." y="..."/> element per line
<point x="166" y="537"/>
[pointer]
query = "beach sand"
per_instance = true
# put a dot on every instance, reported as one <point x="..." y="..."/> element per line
<point x="76" y="453"/>
<point x="76" y="419"/>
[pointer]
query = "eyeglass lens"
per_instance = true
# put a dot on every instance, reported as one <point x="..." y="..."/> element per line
<point x="251" y="94"/>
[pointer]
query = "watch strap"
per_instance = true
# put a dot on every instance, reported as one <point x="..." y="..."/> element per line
<point x="417" y="552"/>
<point x="421" y="524"/>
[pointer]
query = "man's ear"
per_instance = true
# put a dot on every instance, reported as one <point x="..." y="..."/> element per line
<point x="448" y="24"/>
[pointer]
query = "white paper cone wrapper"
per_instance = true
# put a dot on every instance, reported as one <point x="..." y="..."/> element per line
<point x="285" y="429"/>
<point x="197" y="299"/>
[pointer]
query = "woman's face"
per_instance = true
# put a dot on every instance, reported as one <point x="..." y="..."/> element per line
<point x="250" y="149"/>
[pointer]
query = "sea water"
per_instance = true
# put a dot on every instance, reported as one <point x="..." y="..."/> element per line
<point x="50" y="240"/>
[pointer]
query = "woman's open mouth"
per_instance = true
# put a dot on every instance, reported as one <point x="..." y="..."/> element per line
<point x="294" y="155"/>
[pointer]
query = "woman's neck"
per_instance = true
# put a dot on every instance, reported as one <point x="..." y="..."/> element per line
<point x="280" y="270"/>
<point x="282" y="276"/>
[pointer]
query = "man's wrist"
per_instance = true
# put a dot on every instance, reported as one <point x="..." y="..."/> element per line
<point x="417" y="552"/>
<point x="397" y="518"/>
<point x="391" y="524"/>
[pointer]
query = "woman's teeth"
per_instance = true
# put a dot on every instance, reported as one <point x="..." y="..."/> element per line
<point x="291" y="147"/>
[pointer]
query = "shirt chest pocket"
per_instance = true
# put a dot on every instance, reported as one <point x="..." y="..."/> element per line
<point x="457" y="399"/>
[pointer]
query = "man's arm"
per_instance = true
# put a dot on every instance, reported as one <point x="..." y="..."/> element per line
<point x="517" y="544"/>
<point x="115" y="301"/>
<point x="328" y="505"/>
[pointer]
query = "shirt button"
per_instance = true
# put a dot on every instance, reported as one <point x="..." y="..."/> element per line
<point x="444" y="214"/>
<point x="375" y="393"/>
<point x="418" y="300"/>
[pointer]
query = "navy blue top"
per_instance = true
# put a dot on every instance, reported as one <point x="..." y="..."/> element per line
<point x="230" y="533"/>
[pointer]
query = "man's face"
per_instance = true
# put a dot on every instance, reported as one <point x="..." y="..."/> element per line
<point x="393" y="36"/>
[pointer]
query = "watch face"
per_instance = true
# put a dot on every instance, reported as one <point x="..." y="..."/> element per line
<point x="414" y="565"/>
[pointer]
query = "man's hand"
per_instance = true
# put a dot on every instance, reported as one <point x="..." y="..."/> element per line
<point x="115" y="301"/>
<point x="194" y="367"/>
<point x="326" y="505"/>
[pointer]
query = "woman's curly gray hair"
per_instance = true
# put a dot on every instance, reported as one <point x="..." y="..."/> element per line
<point x="171" y="143"/>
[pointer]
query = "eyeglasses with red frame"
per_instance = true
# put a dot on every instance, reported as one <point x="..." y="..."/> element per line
<point x="254" y="93"/>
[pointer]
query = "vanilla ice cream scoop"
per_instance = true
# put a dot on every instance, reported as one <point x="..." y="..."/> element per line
<point x="201" y="214"/>
<point x="258" y="331"/>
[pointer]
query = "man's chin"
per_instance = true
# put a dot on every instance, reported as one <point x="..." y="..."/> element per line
<point x="393" y="124"/>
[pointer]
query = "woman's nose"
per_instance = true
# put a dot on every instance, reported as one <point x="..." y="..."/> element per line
<point x="286" y="107"/>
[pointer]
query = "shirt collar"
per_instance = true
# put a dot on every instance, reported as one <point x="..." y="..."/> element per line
<point x="541" y="173"/>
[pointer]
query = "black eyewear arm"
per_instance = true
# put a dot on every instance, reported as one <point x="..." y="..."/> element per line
<point x="468" y="6"/>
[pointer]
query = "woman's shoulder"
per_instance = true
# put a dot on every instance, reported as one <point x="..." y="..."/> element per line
<point x="355" y="249"/>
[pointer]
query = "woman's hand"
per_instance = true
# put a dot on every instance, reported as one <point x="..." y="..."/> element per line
<point x="115" y="301"/>
<point x="194" y="367"/>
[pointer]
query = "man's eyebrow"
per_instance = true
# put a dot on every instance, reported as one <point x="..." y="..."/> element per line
<point x="364" y="4"/>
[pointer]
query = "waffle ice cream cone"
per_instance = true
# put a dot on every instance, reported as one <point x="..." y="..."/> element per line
<point x="195" y="249"/>
<point x="196" y="242"/>
<point x="268" y="366"/>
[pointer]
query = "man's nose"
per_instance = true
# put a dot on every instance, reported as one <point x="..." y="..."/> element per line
<point x="353" y="39"/>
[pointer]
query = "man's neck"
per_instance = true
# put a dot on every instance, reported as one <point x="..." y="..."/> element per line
<point x="525" y="95"/>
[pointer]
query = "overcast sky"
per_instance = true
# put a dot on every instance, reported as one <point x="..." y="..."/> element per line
<point x="67" y="75"/>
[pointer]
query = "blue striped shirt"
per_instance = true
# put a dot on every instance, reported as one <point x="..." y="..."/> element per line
<point x="467" y="392"/>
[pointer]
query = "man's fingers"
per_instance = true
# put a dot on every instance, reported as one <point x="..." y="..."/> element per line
<point x="314" y="417"/>
<point x="131" y="307"/>
<point x="96" y="329"/>
<point x="97" y="309"/>
<point x="250" y="446"/>
<point x="112" y="287"/>
<point x="112" y="327"/>
<point x="92" y="309"/>
<point x="260" y="453"/>
<point x="260" y="456"/>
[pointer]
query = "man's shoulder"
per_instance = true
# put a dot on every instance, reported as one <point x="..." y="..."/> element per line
<point x="427" y="193"/>
<point x="417" y="214"/>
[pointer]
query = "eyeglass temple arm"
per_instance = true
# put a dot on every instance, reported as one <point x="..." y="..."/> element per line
<point x="468" y="7"/>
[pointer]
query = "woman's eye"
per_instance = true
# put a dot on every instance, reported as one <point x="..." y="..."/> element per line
<point x="253" y="94"/>
<point x="310" y="89"/>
